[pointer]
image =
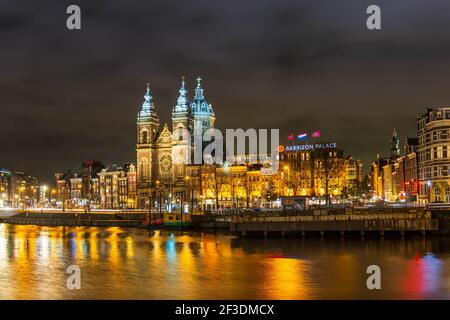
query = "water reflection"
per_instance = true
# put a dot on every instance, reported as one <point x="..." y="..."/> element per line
<point x="134" y="264"/>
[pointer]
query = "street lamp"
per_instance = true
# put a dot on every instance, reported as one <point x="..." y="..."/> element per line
<point x="158" y="187"/>
<point x="44" y="194"/>
<point x="20" y="196"/>
<point x="187" y="179"/>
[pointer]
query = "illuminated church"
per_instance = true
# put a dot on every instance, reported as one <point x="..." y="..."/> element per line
<point x="161" y="158"/>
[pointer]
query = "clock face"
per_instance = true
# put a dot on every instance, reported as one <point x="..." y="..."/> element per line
<point x="165" y="163"/>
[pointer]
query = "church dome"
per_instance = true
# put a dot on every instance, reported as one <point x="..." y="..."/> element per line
<point x="199" y="106"/>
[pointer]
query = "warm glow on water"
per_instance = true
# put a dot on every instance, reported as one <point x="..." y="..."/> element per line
<point x="133" y="264"/>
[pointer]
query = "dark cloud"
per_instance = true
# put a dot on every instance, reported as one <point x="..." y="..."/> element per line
<point x="295" y="65"/>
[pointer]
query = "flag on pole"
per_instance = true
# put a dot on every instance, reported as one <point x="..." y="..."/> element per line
<point x="316" y="134"/>
<point x="302" y="136"/>
<point x="290" y="136"/>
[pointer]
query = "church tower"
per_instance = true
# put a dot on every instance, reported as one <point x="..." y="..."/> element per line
<point x="147" y="131"/>
<point x="395" y="149"/>
<point x="182" y="127"/>
<point x="202" y="111"/>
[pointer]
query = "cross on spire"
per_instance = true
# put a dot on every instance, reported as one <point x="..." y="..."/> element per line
<point x="147" y="95"/>
<point x="199" y="91"/>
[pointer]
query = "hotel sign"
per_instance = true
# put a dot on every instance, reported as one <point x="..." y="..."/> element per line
<point x="310" y="147"/>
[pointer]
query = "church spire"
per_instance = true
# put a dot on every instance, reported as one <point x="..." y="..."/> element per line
<point x="147" y="105"/>
<point x="200" y="105"/>
<point x="199" y="90"/>
<point x="182" y="102"/>
<point x="395" y="149"/>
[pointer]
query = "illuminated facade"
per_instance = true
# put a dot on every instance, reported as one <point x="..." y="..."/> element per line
<point x="229" y="186"/>
<point x="422" y="174"/>
<point x="165" y="179"/>
<point x="63" y="188"/>
<point x="321" y="172"/>
<point x="118" y="187"/>
<point x="395" y="178"/>
<point x="434" y="155"/>
<point x="76" y="189"/>
<point x="5" y="192"/>
<point x="324" y="174"/>
<point x="89" y="171"/>
<point x="113" y="187"/>
<point x="163" y="153"/>
<point x="18" y="189"/>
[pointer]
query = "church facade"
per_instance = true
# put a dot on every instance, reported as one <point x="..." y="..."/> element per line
<point x="162" y="152"/>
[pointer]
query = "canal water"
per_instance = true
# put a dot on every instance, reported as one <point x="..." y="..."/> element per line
<point x="120" y="263"/>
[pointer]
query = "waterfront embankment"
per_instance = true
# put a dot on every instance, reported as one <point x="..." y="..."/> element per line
<point x="75" y="219"/>
<point x="276" y="224"/>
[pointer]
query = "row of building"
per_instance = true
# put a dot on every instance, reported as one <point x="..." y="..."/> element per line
<point x="421" y="173"/>
<point x="97" y="186"/>
<point x="160" y="179"/>
<point x="322" y="173"/>
<point x="163" y="178"/>
<point x="18" y="189"/>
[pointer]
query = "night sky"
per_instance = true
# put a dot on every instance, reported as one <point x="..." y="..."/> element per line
<point x="67" y="96"/>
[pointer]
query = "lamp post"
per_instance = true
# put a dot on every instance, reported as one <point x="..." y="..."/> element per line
<point x="182" y="196"/>
<point x="52" y="193"/>
<point x="44" y="195"/>
<point x="20" y="197"/>
<point x="150" y="200"/>
<point x="158" y="187"/>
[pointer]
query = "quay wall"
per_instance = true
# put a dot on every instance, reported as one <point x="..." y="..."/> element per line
<point x="75" y="219"/>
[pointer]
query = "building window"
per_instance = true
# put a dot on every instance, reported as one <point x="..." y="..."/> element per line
<point x="427" y="155"/>
<point x="447" y="194"/>
<point x="437" y="194"/>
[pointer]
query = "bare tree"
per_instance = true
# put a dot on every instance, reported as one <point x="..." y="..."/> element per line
<point x="214" y="180"/>
<point x="328" y="170"/>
